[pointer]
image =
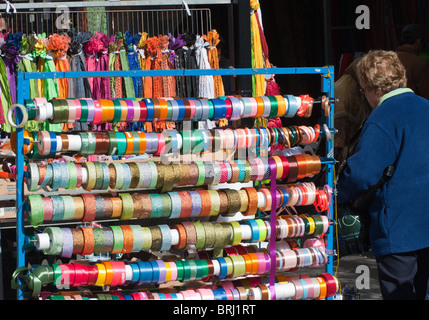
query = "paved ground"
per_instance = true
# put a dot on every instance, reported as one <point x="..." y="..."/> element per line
<point x="359" y="271"/>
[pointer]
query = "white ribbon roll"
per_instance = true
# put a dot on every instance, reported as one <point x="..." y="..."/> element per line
<point x="24" y="116"/>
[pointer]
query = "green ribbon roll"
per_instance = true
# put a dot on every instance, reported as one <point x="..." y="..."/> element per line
<point x="36" y="214"/>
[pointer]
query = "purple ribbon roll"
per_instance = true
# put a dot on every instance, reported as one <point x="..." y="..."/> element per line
<point x="273" y="170"/>
<point x="130" y="114"/>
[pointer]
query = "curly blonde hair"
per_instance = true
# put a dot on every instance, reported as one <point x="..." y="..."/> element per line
<point x="381" y="71"/>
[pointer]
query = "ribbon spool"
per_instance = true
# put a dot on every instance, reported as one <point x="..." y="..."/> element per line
<point x="185" y="141"/>
<point x="293" y="288"/>
<point x="174" y="236"/>
<point x="198" y="235"/>
<point x="143" y="175"/>
<point x="119" y="273"/>
<point x="23" y="115"/>
<point x="162" y="109"/>
<point x="28" y="147"/>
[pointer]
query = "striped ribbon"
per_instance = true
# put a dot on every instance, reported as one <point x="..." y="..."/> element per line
<point x="190" y="235"/>
<point x="226" y="107"/>
<point x="120" y="273"/>
<point x="185" y="142"/>
<point x="286" y="287"/>
<point x="175" y="204"/>
<point x="99" y="175"/>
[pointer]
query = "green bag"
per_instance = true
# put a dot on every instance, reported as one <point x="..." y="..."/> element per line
<point x="353" y="236"/>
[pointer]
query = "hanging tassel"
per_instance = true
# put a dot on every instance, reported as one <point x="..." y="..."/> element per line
<point x="213" y="57"/>
<point x="192" y="82"/>
<point x="58" y="45"/>
<point x="153" y="85"/>
<point x="133" y="62"/>
<point x="169" y="83"/>
<point x="103" y="65"/>
<point x="118" y="67"/>
<point x="273" y="88"/>
<point x="91" y="49"/>
<point x="206" y="83"/>
<point x="128" y="85"/>
<point x="141" y="48"/>
<point x="179" y="46"/>
<point x="258" y="81"/>
<point x="112" y="50"/>
<point x="78" y="87"/>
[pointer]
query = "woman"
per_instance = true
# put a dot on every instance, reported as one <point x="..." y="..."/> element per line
<point x="396" y="133"/>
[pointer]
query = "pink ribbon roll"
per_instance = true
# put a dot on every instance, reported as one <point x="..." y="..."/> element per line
<point x="98" y="112"/>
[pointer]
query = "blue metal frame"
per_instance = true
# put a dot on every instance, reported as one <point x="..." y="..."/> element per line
<point x="328" y="87"/>
<point x="23" y="85"/>
<point x="20" y="221"/>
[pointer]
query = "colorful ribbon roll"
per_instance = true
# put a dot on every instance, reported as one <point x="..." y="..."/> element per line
<point x="173" y="141"/>
<point x="141" y="110"/>
<point x="286" y="288"/>
<point x="100" y="175"/>
<point x="199" y="235"/>
<point x="120" y="273"/>
<point x="90" y="207"/>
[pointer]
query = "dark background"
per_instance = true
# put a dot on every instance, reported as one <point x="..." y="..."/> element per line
<point x="312" y="33"/>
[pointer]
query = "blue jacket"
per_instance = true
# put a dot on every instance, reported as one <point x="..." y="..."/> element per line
<point x="396" y="132"/>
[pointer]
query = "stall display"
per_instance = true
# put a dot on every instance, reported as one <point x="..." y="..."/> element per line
<point x="122" y="51"/>
<point x="206" y="217"/>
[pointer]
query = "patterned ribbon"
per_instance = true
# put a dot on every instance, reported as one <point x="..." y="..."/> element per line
<point x="103" y="65"/>
<point x="169" y="85"/>
<point x="206" y="83"/>
<point x="153" y="85"/>
<point x="213" y="40"/>
<point x="133" y="62"/>
<point x="141" y="45"/>
<point x="128" y="86"/>
<point x="117" y="67"/>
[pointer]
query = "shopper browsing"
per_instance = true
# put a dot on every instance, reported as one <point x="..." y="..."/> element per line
<point x="396" y="133"/>
<point x="412" y="43"/>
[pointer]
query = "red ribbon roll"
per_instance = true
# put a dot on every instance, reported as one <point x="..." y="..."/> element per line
<point x="143" y="111"/>
<point x="331" y="284"/>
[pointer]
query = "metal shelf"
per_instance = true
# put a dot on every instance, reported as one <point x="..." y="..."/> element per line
<point x="327" y="86"/>
<point x="83" y="4"/>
